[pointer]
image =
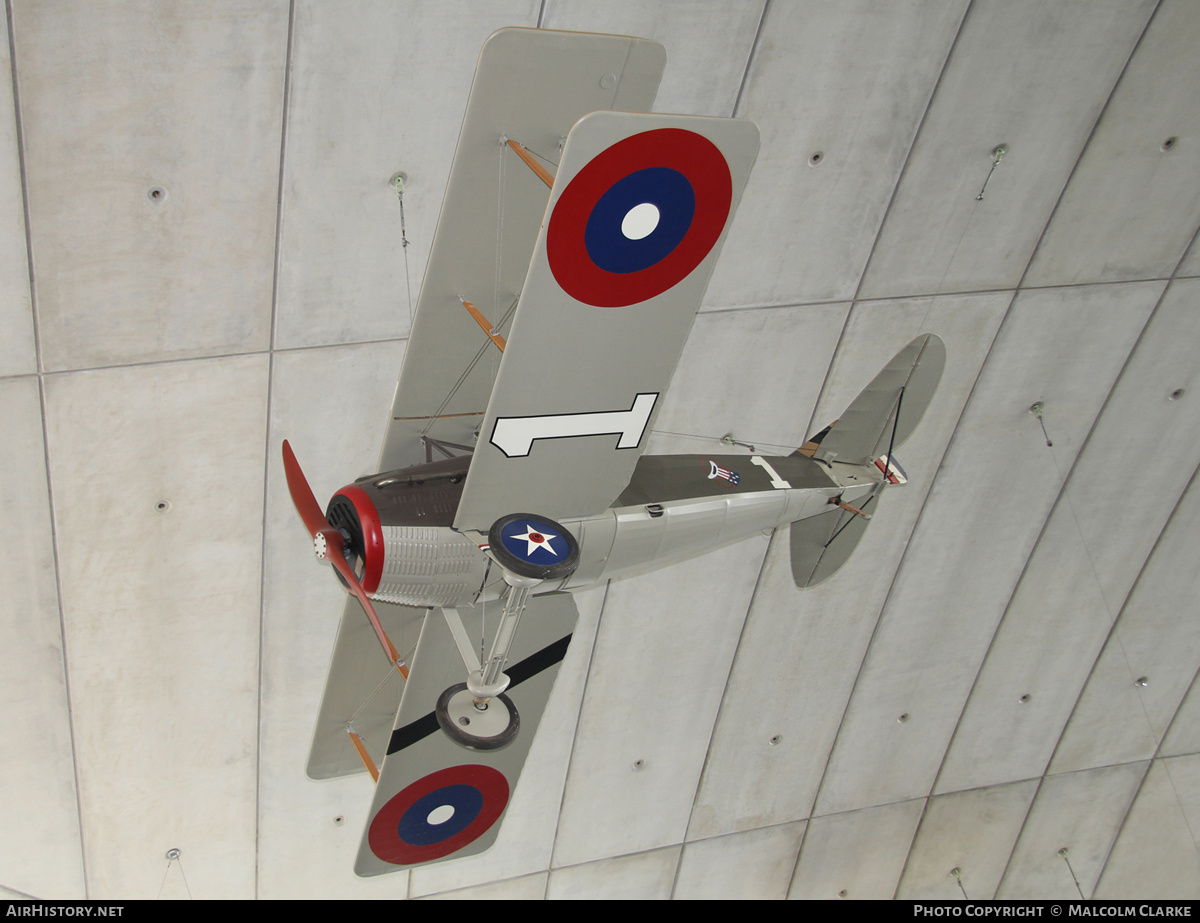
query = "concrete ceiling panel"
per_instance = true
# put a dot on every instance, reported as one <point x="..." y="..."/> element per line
<point x="808" y="645"/>
<point x="997" y="484"/>
<point x="640" y="876"/>
<point x="754" y="373"/>
<point x="1080" y="812"/>
<point x="854" y="78"/>
<point x="377" y="88"/>
<point x="37" y="769"/>
<point x="858" y="855"/>
<point x="1132" y="205"/>
<point x="968" y="833"/>
<point x="708" y="46"/>
<point x="158" y="480"/>
<point x="648" y="712"/>
<point x="1191" y="263"/>
<point x="1183" y="736"/>
<point x="756" y="865"/>
<point x="18" y="354"/>
<point x="1157" y="855"/>
<point x="1148" y="661"/>
<point x="1086" y="562"/>
<point x="528" y="888"/>
<point x="121" y="102"/>
<point x="1033" y="78"/>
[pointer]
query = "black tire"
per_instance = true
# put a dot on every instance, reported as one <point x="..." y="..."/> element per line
<point x="462" y="737"/>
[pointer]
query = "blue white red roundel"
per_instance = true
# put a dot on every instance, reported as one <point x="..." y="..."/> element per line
<point x="639" y="217"/>
<point x="438" y="814"/>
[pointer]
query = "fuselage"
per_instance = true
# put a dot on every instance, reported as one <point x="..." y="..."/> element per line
<point x="675" y="507"/>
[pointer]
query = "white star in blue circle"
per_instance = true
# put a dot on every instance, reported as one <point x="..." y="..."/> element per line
<point x="536" y="539"/>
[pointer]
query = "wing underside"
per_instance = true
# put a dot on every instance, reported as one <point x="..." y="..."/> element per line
<point x="531" y="86"/>
<point x="436" y="799"/>
<point x="639" y="210"/>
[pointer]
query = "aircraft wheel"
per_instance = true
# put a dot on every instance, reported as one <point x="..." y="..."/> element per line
<point x="533" y="546"/>
<point x="491" y="727"/>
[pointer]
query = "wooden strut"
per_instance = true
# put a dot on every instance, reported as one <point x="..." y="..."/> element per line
<point x="837" y="501"/>
<point x="362" y="753"/>
<point x="523" y="153"/>
<point x="483" y="322"/>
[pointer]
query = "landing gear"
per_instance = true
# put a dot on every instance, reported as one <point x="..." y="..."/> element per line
<point x="530" y="549"/>
<point x="489" y="725"/>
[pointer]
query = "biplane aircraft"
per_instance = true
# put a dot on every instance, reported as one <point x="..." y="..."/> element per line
<point x="535" y="384"/>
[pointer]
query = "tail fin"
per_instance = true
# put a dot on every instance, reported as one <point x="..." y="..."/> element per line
<point x="889" y="408"/>
<point x="882" y="417"/>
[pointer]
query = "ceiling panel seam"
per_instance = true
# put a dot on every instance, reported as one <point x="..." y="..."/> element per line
<point x="1117" y="621"/>
<point x="587" y="672"/>
<point x="762" y="566"/>
<point x="1086" y="144"/>
<point x="737" y="99"/>
<point x="862" y="272"/>
<point x="1154" y="759"/>
<point x="1065" y="480"/>
<point x="267" y="437"/>
<point x="37" y="341"/>
<point x="912" y="143"/>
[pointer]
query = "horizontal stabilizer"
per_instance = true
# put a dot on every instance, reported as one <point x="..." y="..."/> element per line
<point x="889" y="408"/>
<point x="821" y="544"/>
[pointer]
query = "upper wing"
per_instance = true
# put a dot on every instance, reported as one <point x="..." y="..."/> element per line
<point x="639" y="209"/>
<point x="436" y="799"/>
<point x="531" y="86"/>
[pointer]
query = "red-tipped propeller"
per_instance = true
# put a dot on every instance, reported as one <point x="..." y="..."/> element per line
<point x="330" y="546"/>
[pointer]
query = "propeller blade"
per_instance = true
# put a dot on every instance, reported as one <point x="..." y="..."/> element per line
<point x="334" y="545"/>
<point x="302" y="495"/>
<point x="334" y="550"/>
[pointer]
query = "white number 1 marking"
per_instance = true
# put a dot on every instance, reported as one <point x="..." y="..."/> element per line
<point x="514" y="436"/>
<point x="776" y="481"/>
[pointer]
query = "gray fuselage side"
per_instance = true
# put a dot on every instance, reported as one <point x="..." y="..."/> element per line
<point x="675" y="507"/>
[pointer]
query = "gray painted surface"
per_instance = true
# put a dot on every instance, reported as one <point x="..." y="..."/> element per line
<point x="169" y="699"/>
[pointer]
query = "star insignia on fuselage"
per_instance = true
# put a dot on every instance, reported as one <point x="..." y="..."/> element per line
<point x="536" y="540"/>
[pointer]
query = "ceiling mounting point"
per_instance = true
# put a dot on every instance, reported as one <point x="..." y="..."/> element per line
<point x="1142" y="681"/>
<point x="730" y="439"/>
<point x="998" y="153"/>
<point x="816" y="158"/>
<point x="1036" y="409"/>
<point x="156" y="194"/>
<point x="174" y="853"/>
<point x="608" y="81"/>
<point x="1176" y="394"/>
<point x="1169" y="144"/>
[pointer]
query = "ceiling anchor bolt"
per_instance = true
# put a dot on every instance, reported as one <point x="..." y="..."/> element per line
<point x="1036" y="410"/>
<point x="997" y="155"/>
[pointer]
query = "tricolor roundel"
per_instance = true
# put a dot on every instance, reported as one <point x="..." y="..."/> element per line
<point x="438" y="814"/>
<point x="639" y="217"/>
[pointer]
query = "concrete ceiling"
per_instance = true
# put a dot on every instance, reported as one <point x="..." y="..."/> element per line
<point x="1004" y="669"/>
